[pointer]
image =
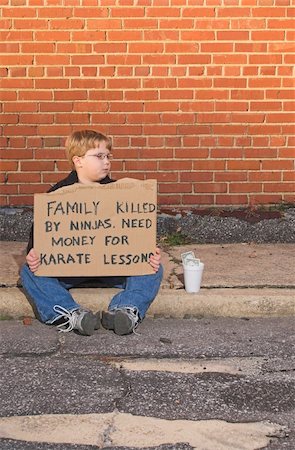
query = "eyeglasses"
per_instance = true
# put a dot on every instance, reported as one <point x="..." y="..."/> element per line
<point x="102" y="156"/>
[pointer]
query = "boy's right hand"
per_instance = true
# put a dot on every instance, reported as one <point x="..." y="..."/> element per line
<point x="33" y="260"/>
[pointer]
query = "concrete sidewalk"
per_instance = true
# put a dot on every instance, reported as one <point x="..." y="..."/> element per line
<point x="239" y="280"/>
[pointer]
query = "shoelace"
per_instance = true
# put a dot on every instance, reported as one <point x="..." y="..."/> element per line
<point x="134" y="316"/>
<point x="71" y="317"/>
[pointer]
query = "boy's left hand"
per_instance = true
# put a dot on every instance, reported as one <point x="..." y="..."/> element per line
<point x="155" y="260"/>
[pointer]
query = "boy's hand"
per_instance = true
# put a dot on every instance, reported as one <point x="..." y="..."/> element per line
<point x="33" y="260"/>
<point x="155" y="260"/>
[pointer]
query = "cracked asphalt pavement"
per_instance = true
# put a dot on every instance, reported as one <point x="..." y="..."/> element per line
<point x="238" y="371"/>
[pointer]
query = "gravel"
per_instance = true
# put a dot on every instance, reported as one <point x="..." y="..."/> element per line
<point x="15" y="225"/>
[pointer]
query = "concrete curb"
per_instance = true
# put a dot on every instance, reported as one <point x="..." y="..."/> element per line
<point x="239" y="280"/>
<point x="223" y="302"/>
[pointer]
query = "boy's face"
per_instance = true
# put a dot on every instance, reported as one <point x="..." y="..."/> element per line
<point x="94" y="165"/>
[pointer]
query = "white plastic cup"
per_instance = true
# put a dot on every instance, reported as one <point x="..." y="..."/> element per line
<point x="193" y="277"/>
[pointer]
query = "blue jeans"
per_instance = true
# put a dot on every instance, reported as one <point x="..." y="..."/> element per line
<point x="46" y="292"/>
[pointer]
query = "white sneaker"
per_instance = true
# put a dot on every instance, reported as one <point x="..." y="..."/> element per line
<point x="81" y="320"/>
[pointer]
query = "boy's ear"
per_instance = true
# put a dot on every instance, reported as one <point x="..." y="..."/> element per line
<point x="76" y="161"/>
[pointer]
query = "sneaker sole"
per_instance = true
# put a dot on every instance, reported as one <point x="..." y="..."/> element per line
<point x="122" y="324"/>
<point x="88" y="325"/>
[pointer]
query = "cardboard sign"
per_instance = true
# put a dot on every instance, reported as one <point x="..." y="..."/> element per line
<point x="96" y="230"/>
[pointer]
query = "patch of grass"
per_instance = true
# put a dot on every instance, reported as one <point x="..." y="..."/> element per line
<point x="5" y="317"/>
<point x="174" y="239"/>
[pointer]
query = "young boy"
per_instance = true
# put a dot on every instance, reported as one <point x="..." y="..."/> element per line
<point x="90" y="157"/>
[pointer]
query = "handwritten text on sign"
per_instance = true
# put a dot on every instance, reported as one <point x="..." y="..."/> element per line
<point x="96" y="230"/>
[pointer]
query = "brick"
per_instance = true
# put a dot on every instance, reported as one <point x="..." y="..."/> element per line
<point x="281" y="24"/>
<point x="287" y="152"/>
<point x="201" y="83"/>
<point x="22" y="200"/>
<point x="140" y="95"/>
<point x="175" y="188"/>
<point x="230" y="83"/>
<point x="231" y="106"/>
<point x="197" y="200"/>
<point x="35" y="95"/>
<point x="52" y="178"/>
<point x="194" y="129"/>
<point x="177" y="94"/>
<point x="230" y="59"/>
<point x="196" y="176"/>
<point x="140" y="23"/>
<point x="210" y="187"/>
<point x="162" y="12"/>
<point x="125" y="12"/>
<point x="9" y="48"/>
<point x="227" y="153"/>
<point x="280" y="94"/>
<point x="198" y="12"/>
<point x="173" y="24"/>
<point x="280" y="117"/>
<point x="20" y="106"/>
<point x="164" y="176"/>
<point x="215" y="47"/>
<point x="123" y="83"/>
<point x="8" y="166"/>
<point x="19" y="12"/>
<point x="89" y="12"/>
<point x="36" y="166"/>
<point x="212" y="24"/>
<point x="125" y="35"/>
<point x="266" y="35"/>
<point x="230" y="199"/>
<point x="230" y="176"/>
<point x="70" y="95"/>
<point x="190" y="153"/>
<point x="264" y="176"/>
<point x="277" y="165"/>
<point x="12" y="83"/>
<point x="169" y="199"/>
<point x="137" y="165"/>
<point x="233" y="35"/>
<point x="243" y="165"/>
<point x="175" y="165"/>
<point x="289" y="176"/>
<point x="229" y="129"/>
<point x="163" y="35"/>
<point x="268" y="12"/>
<point x="197" y="35"/>
<point x="279" y="187"/>
<point x="280" y="47"/>
<point x="139" y="47"/>
<point x="143" y="118"/>
<point x="50" y="35"/>
<point x="266" y="106"/>
<point x="248" y="117"/>
<point x="55" y="60"/>
<point x="244" y="94"/>
<point x="248" y="23"/>
<point x="183" y="47"/>
<point x="9" y="189"/>
<point x="159" y="106"/>
<point x="209" y="165"/>
<point x="193" y="59"/>
<point x="27" y="177"/>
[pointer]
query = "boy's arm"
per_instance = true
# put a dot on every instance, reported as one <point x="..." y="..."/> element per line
<point x="155" y="260"/>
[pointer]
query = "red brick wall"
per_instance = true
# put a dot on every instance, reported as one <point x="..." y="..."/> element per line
<point x="195" y="93"/>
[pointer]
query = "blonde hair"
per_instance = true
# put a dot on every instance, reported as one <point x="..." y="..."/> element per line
<point x="79" y="142"/>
